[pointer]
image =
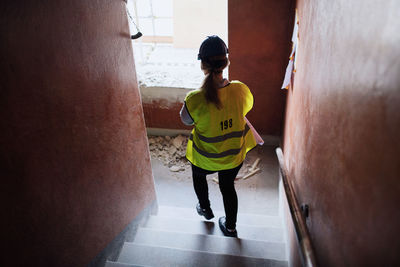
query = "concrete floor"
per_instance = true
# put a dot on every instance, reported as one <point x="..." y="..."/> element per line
<point x="257" y="194"/>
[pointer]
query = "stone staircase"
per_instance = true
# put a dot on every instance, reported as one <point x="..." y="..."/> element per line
<point x="180" y="237"/>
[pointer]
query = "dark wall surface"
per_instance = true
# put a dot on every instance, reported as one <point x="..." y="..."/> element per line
<point x="74" y="159"/>
<point x="259" y="35"/>
<point x="341" y="141"/>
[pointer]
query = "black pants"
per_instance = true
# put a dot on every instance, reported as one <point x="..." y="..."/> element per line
<point x="226" y="185"/>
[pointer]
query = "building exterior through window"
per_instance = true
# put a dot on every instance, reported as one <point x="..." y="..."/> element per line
<point x="166" y="54"/>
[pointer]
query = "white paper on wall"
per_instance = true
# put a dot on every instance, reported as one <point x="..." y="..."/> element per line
<point x="291" y="67"/>
<point x="288" y="75"/>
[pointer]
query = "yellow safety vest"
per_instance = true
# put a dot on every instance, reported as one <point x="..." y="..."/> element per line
<point x="220" y="138"/>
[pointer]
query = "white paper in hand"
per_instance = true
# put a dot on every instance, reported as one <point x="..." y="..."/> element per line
<point x="258" y="138"/>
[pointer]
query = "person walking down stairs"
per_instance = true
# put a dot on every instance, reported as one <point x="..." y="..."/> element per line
<point x="221" y="137"/>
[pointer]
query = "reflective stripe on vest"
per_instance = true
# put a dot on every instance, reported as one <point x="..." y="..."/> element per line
<point x="220" y="139"/>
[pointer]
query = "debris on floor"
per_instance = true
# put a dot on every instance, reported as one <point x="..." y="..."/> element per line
<point x="251" y="173"/>
<point x="175" y="168"/>
<point x="245" y="172"/>
<point x="170" y="151"/>
<point x="254" y="166"/>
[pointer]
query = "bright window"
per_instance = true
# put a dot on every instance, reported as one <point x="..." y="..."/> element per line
<point x="166" y="54"/>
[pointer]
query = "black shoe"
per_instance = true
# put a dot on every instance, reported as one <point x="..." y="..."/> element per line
<point x="207" y="213"/>
<point x="225" y="230"/>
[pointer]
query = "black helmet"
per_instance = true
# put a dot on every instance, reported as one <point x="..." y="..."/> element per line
<point x="212" y="46"/>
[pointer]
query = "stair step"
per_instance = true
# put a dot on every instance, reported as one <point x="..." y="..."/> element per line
<point x="120" y="264"/>
<point x="164" y="256"/>
<point x="209" y="243"/>
<point x="268" y="234"/>
<point x="243" y="218"/>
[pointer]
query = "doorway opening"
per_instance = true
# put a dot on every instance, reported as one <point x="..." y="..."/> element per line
<point x="167" y="66"/>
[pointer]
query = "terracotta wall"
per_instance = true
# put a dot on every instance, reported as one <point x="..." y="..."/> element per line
<point x="160" y="113"/>
<point x="341" y="140"/>
<point x="157" y="117"/>
<point x="259" y="35"/>
<point x="75" y="165"/>
<point x="161" y="106"/>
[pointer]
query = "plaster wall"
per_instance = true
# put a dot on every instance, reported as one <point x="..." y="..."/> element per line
<point x="75" y="164"/>
<point x="341" y="144"/>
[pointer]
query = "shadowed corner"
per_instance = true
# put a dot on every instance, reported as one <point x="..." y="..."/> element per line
<point x="238" y="243"/>
<point x="209" y="227"/>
